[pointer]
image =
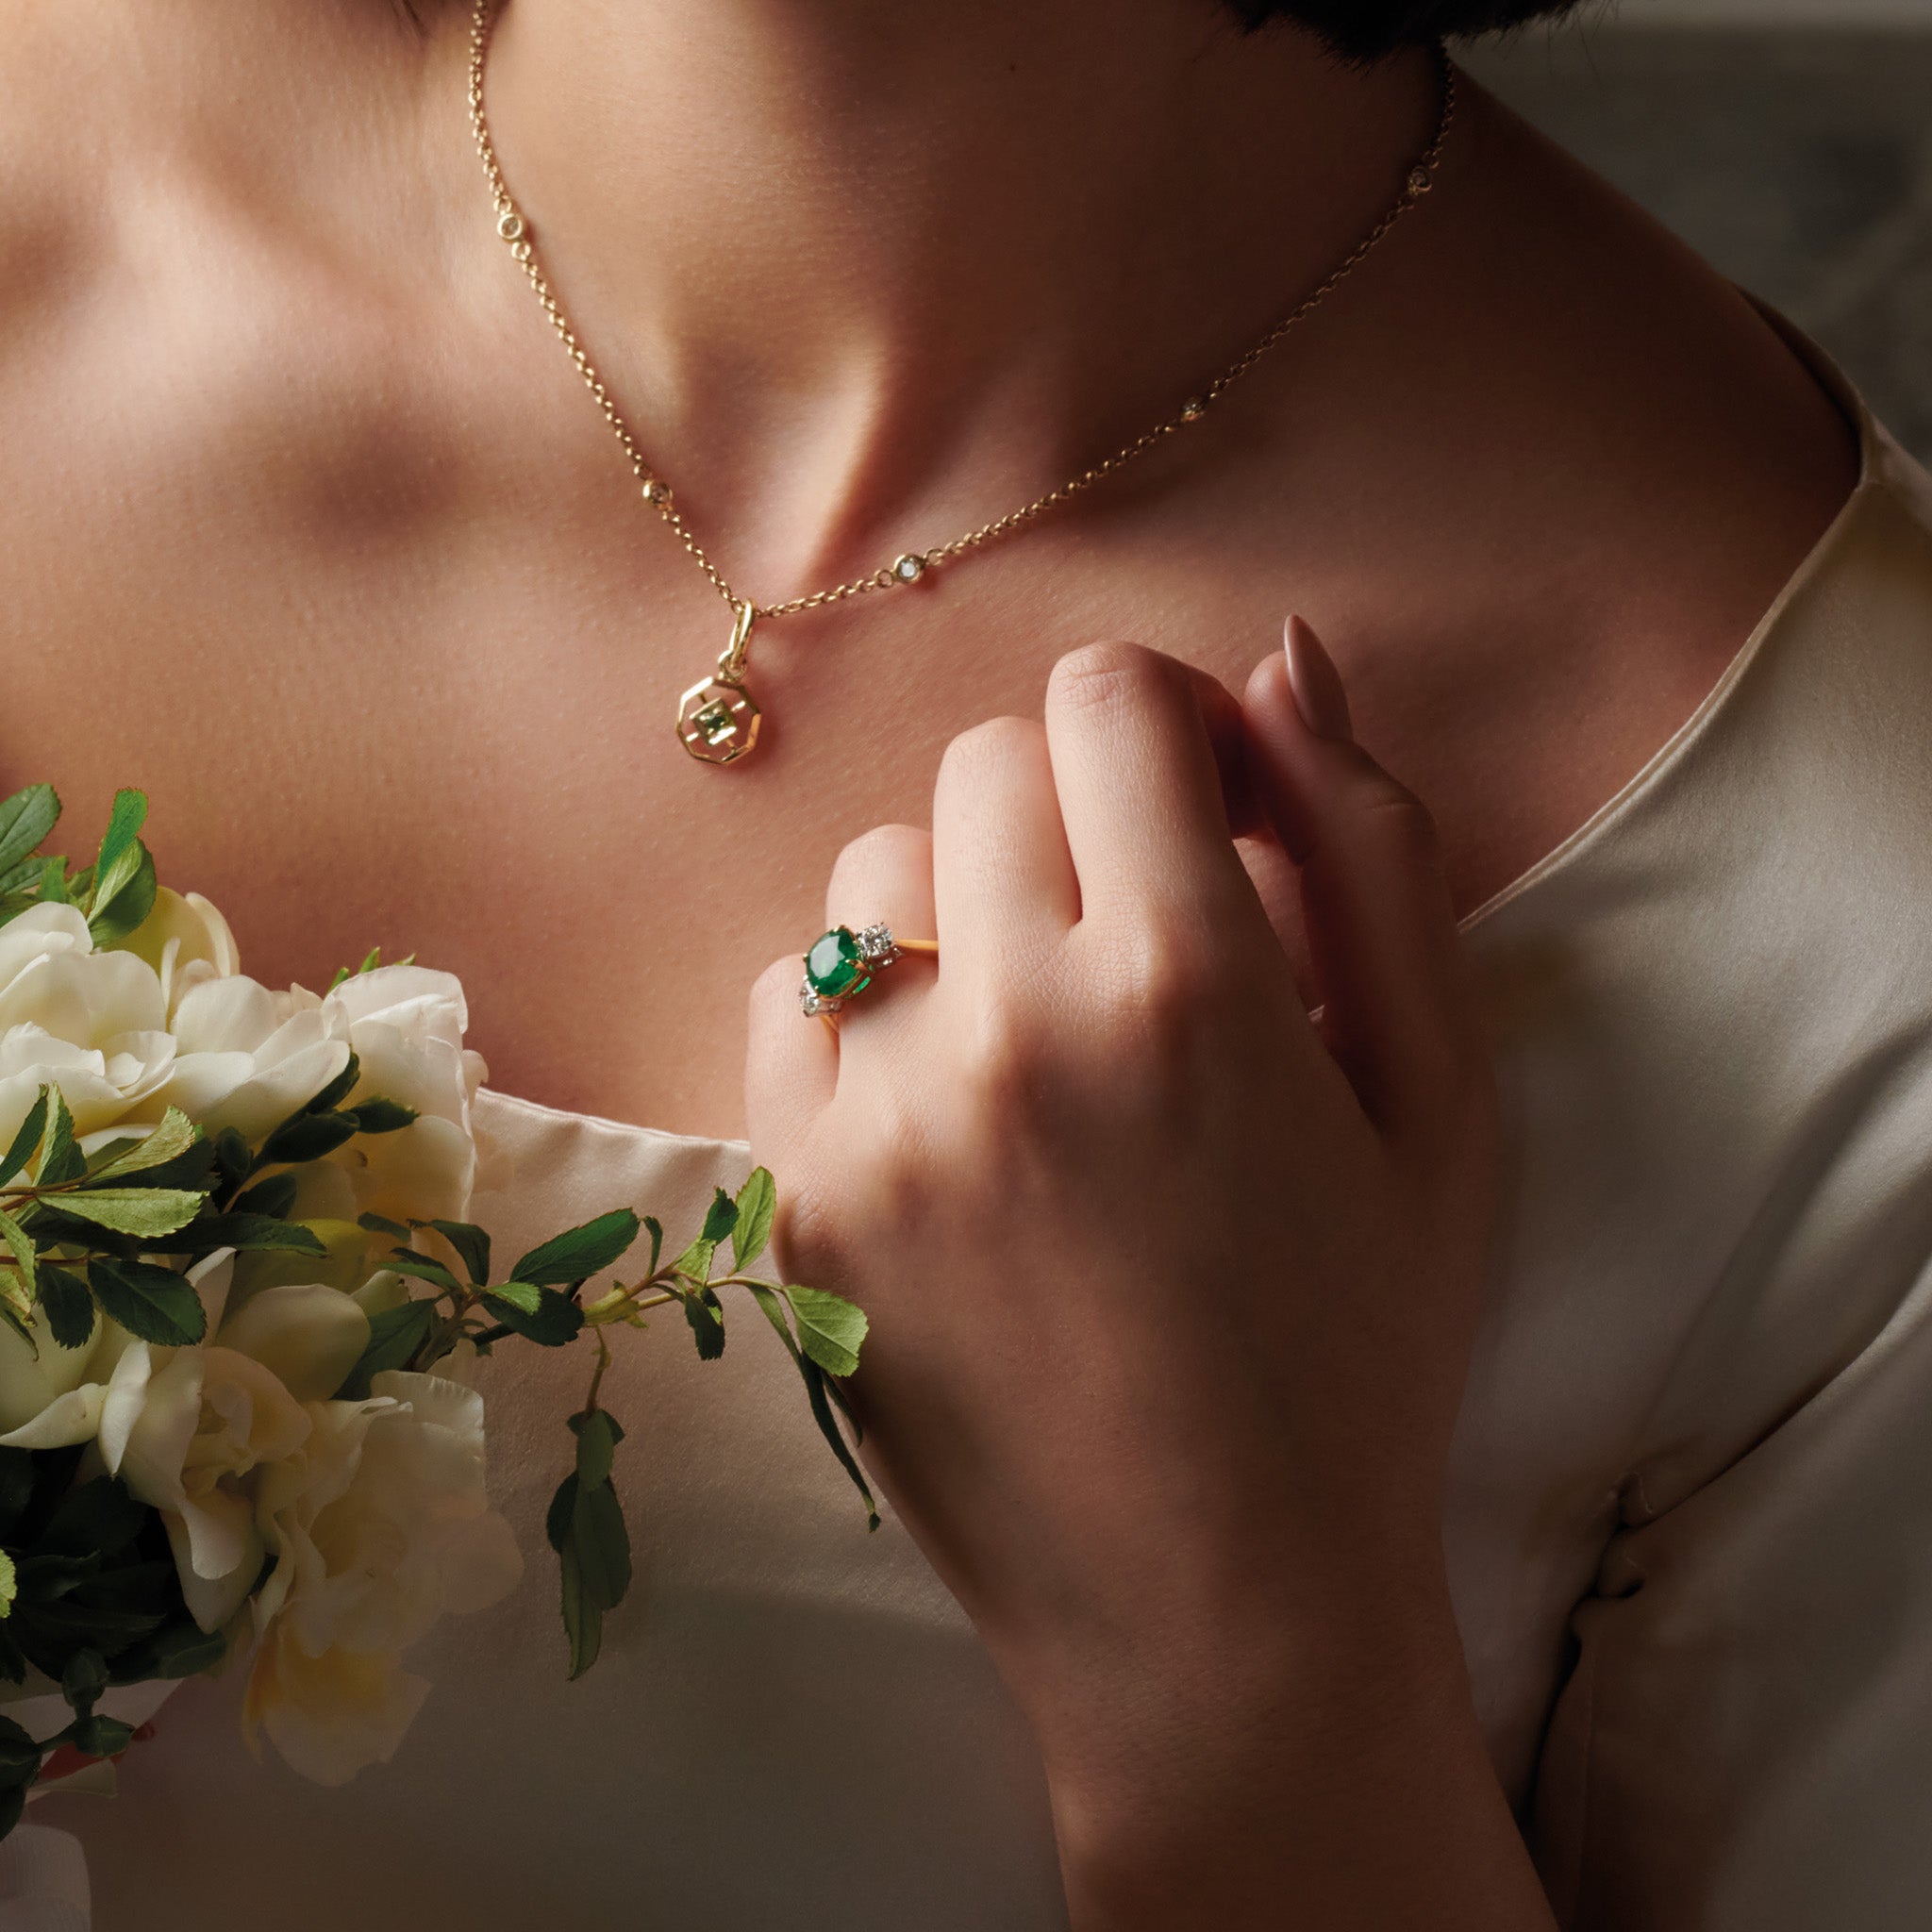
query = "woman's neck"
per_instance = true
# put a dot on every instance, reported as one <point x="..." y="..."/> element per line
<point x="840" y="256"/>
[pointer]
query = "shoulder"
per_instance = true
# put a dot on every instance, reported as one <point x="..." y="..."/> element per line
<point x="173" y="177"/>
<point x="210" y="219"/>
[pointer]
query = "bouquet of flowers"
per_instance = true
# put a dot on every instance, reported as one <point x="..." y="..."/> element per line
<point x="241" y="1318"/>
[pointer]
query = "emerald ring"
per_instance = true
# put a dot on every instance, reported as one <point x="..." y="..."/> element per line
<point x="842" y="963"/>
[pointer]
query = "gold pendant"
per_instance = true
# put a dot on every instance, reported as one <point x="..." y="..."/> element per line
<point x="718" y="720"/>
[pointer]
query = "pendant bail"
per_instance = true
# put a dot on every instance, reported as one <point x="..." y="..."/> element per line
<point x="731" y="662"/>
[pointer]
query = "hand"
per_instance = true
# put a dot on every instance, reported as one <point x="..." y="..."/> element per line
<point x="1172" y="1290"/>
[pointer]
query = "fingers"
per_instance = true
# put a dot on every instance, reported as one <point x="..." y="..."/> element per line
<point x="1005" y="878"/>
<point x="884" y="877"/>
<point x="791" y="1067"/>
<point x="1382" y="934"/>
<point x="1139" y="791"/>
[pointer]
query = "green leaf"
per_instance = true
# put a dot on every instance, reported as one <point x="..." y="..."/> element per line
<point x="830" y="1328"/>
<point x="124" y="821"/>
<point x="580" y="1252"/>
<point x="124" y="895"/>
<point x="583" y="1621"/>
<point x="154" y="1304"/>
<point x="338" y="1090"/>
<point x="720" y="1218"/>
<point x="375" y="1223"/>
<point x="26" y="1140"/>
<point x="61" y="1160"/>
<point x="96" y="1518"/>
<point x="558" y="1320"/>
<point x="175" y="1136"/>
<point x="557" y="1517"/>
<point x="598" y="1434"/>
<point x="816" y="1387"/>
<point x="53" y="888"/>
<point x="603" y="1545"/>
<point x="694" y="1264"/>
<point x="306" y="1137"/>
<point x="180" y="1649"/>
<point x="707" y="1318"/>
<point x="381" y="1116"/>
<point x="102" y="1737"/>
<point x="421" y="1268"/>
<point x="471" y="1243"/>
<point x="526" y="1295"/>
<point x="17" y="1472"/>
<point x="20" y="1756"/>
<point x="655" y="1228"/>
<point x="252" y="1232"/>
<point x="394" y="1337"/>
<point x="15" y="1238"/>
<point x="69" y="1309"/>
<point x="9" y="1586"/>
<point x="84" y="1679"/>
<point x="275" y="1199"/>
<point x="370" y="960"/>
<point x="232" y="1157"/>
<point x="757" y="1200"/>
<point x="140" y="1211"/>
<point x="25" y="819"/>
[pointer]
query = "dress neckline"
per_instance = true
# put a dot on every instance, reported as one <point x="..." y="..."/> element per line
<point x="1876" y="453"/>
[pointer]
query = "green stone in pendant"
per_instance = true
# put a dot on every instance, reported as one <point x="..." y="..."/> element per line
<point x="716" y="723"/>
<point x="833" y="966"/>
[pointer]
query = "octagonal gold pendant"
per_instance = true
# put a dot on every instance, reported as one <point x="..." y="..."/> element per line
<point x="718" y="722"/>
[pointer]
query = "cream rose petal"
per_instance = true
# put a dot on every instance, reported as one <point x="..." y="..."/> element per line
<point x="38" y="933"/>
<point x="211" y="1417"/>
<point x="334" y="1715"/>
<point x="307" y="1334"/>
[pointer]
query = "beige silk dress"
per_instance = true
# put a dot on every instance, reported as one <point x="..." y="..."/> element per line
<point x="1690" y="1525"/>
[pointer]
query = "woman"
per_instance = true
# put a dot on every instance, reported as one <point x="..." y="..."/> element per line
<point x="1175" y="1312"/>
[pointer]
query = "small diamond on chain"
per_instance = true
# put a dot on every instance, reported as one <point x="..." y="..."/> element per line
<point x="510" y="224"/>
<point x="1194" y="409"/>
<point x="909" y="568"/>
<point x="1420" y="181"/>
<point x="657" y="493"/>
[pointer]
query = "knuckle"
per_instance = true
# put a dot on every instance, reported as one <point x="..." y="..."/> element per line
<point x="1399" y="816"/>
<point x="989" y="742"/>
<point x="1007" y="1060"/>
<point x="876" y="851"/>
<point x="1156" y="992"/>
<point x="1102" y="674"/>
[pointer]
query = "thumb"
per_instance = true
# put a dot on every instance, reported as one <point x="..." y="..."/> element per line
<point x="1398" y="1015"/>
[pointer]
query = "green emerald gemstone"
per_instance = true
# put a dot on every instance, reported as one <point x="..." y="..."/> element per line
<point x="833" y="965"/>
<point x="716" y="721"/>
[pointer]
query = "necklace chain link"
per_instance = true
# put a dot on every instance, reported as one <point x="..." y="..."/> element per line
<point x="514" y="229"/>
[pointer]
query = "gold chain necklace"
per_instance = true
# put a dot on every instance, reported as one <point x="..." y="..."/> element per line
<point x="717" y="718"/>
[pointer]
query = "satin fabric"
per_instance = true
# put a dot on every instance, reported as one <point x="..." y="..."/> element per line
<point x="1690" y="1519"/>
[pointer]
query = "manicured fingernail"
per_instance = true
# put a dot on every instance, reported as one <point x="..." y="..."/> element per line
<point x="1317" y="685"/>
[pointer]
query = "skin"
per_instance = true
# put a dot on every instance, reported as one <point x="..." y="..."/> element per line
<point x="310" y="530"/>
<point x="1192" y="1504"/>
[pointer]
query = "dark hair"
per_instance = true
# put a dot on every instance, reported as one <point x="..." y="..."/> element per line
<point x="1368" y="29"/>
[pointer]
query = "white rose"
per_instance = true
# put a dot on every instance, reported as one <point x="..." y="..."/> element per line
<point x="186" y="1429"/>
<point x="94" y="1025"/>
<point x="406" y="1026"/>
<point x="381" y="1524"/>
